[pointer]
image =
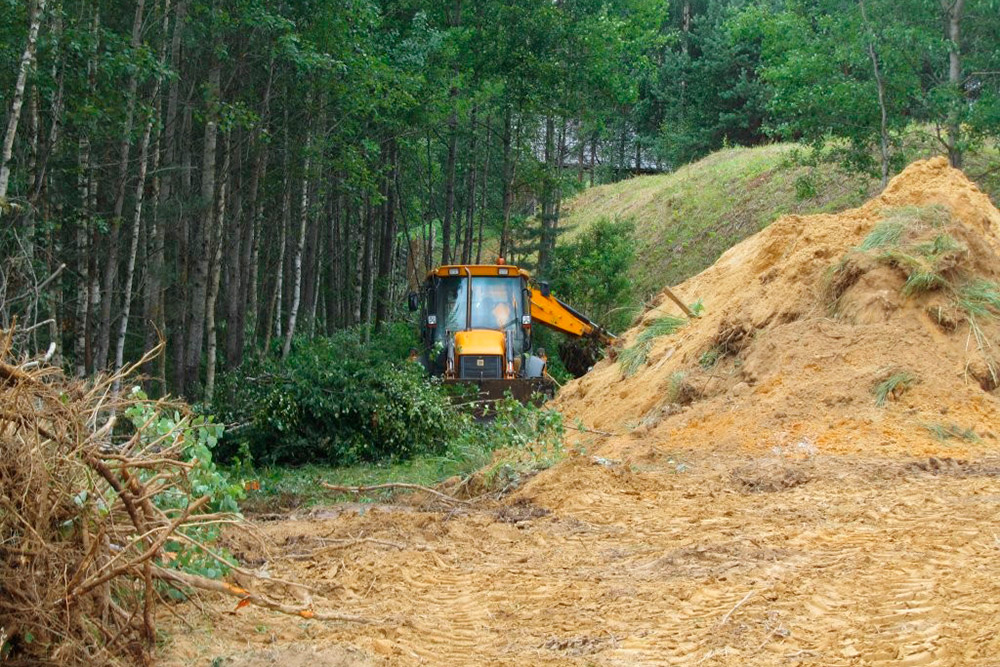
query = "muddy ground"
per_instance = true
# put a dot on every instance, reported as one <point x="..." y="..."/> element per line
<point x="701" y="557"/>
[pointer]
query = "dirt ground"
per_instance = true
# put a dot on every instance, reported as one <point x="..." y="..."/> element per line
<point x="701" y="557"/>
<point x="750" y="498"/>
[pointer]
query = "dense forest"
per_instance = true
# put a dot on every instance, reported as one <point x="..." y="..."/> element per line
<point x="231" y="175"/>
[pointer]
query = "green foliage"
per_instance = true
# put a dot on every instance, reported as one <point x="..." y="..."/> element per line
<point x="338" y="400"/>
<point x="592" y="272"/>
<point x="530" y="438"/>
<point x="805" y="187"/>
<point x="892" y="387"/>
<point x="193" y="438"/>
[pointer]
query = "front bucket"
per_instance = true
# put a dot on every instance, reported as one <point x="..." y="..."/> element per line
<point x="484" y="393"/>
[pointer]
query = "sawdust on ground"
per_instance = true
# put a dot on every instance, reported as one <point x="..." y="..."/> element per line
<point x="759" y="510"/>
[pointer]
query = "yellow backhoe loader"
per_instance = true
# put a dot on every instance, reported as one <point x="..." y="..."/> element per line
<point x="476" y="322"/>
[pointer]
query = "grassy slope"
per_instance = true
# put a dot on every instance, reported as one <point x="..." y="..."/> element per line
<point x="686" y="219"/>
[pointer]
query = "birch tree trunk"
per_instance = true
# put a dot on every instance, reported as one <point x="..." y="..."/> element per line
<point x="82" y="261"/>
<point x="880" y="85"/>
<point x="202" y="245"/>
<point x="140" y="189"/>
<point x="17" y="101"/>
<point x="216" y="272"/>
<point x="293" y="310"/>
<point x="389" y="226"/>
<point x="114" y="238"/>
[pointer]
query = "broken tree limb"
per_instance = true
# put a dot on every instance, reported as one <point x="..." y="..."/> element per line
<point x="393" y="485"/>
<point x="206" y="584"/>
<point x="673" y="297"/>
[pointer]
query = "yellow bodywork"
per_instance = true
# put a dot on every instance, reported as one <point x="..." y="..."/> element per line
<point x="479" y="342"/>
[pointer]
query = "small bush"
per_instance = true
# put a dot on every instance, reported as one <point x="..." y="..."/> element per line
<point x="337" y="400"/>
<point x="805" y="187"/>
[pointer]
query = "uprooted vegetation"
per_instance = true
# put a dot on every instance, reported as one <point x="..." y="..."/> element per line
<point x="110" y="506"/>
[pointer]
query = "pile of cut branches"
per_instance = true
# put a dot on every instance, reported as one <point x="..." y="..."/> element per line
<point x="92" y="517"/>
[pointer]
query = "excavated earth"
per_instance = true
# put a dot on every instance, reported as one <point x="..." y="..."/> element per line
<point x="746" y="496"/>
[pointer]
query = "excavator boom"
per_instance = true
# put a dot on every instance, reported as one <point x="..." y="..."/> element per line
<point x="560" y="316"/>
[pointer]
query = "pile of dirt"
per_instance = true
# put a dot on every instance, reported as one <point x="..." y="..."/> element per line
<point x="875" y="330"/>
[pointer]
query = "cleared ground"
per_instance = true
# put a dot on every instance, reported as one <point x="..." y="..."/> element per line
<point x="671" y="557"/>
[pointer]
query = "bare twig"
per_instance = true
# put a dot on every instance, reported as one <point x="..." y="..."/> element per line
<point x="725" y="619"/>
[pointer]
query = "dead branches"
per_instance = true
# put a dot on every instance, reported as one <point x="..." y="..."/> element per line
<point x="394" y="485"/>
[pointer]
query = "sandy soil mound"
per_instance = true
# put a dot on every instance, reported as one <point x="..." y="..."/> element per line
<point x="868" y="331"/>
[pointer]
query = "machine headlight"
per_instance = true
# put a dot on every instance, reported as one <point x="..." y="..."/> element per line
<point x="432" y="320"/>
<point x="526" y="320"/>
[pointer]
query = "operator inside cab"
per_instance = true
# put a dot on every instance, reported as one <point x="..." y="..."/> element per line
<point x="492" y="306"/>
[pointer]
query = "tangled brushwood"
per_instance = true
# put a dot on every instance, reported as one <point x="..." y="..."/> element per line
<point x="98" y="523"/>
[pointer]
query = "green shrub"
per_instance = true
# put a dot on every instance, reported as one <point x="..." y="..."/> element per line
<point x="337" y="400"/>
<point x="592" y="273"/>
<point x="193" y="438"/>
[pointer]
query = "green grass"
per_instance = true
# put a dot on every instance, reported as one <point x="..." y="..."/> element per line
<point x="284" y="487"/>
<point x="686" y="219"/>
<point x="885" y="234"/>
<point x="661" y="326"/>
<point x="892" y="387"/>
<point x="980" y="298"/>
<point x="951" y="431"/>
<point x="633" y="358"/>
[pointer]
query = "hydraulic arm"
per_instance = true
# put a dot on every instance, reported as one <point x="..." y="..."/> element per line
<point x="555" y="314"/>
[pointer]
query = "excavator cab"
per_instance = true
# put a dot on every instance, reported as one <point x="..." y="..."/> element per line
<point x="476" y="323"/>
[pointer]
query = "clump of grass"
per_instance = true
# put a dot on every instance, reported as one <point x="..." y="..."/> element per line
<point x="661" y="326"/>
<point x="710" y="357"/>
<point x="980" y="298"/>
<point x="923" y="281"/>
<point x="944" y="432"/>
<point x="892" y="387"/>
<point x="925" y="263"/>
<point x="675" y="387"/>
<point x="884" y="235"/>
<point x="941" y="244"/>
<point x="633" y="358"/>
<point x="934" y="215"/>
